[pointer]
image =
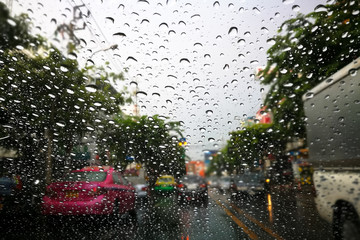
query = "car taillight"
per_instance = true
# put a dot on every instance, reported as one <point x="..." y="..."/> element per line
<point x="203" y="185"/>
<point x="180" y="185"/>
<point x="144" y="189"/>
<point x="96" y="191"/>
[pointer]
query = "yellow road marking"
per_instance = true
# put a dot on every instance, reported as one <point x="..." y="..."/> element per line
<point x="250" y="233"/>
<point x="252" y="219"/>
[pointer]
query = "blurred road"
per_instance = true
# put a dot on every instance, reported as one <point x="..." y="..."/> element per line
<point x="273" y="216"/>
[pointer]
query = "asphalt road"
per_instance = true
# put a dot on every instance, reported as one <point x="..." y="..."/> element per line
<point x="275" y="216"/>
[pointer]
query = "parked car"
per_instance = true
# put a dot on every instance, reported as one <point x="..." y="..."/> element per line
<point x="192" y="189"/>
<point x="165" y="184"/>
<point x="248" y="184"/>
<point x="224" y="184"/>
<point x="90" y="191"/>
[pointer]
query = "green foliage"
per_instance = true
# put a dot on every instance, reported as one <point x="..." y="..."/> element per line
<point x="45" y="105"/>
<point x="307" y="50"/>
<point x="14" y="31"/>
<point x="251" y="144"/>
<point x="149" y="140"/>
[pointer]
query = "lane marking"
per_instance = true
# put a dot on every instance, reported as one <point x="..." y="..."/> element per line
<point x="252" y="219"/>
<point x="250" y="233"/>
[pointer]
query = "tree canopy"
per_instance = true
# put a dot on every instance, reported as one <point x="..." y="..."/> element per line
<point x="308" y="49"/>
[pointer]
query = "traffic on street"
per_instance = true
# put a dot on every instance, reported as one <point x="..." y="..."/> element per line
<point x="275" y="215"/>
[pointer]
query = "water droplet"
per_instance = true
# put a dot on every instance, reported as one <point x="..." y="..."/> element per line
<point x="233" y="31"/>
<point x="286" y="2"/>
<point x="256" y="10"/>
<point x="63" y="69"/>
<point x="309" y="75"/>
<point x="72" y="56"/>
<point x="130" y="58"/>
<point x="211" y="139"/>
<point x="296" y="8"/>
<point x="353" y="72"/>
<point x="320" y="8"/>
<point x="209" y="112"/>
<point x="141" y="93"/>
<point x="90" y="128"/>
<point x="60" y="124"/>
<point x="271" y="41"/>
<point x="70" y="91"/>
<point x="241" y="41"/>
<point x="198" y="45"/>
<point x="91" y="88"/>
<point x="119" y="34"/>
<point x="184" y="60"/>
<point x="109" y="19"/>
<point x="195" y="16"/>
<point x="254" y="62"/>
<point x="216" y="4"/>
<point x="309" y="95"/>
<point x="341" y="119"/>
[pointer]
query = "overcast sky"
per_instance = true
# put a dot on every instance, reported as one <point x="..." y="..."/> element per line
<point x="194" y="61"/>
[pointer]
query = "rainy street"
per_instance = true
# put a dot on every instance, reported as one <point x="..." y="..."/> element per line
<point x="246" y="218"/>
<point x="176" y="119"/>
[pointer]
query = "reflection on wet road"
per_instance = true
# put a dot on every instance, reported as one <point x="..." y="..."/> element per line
<point x="271" y="216"/>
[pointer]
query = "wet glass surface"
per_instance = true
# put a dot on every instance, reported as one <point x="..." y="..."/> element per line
<point x="179" y="119"/>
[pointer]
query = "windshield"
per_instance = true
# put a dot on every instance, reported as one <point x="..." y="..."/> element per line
<point x="179" y="101"/>
<point x="85" y="177"/>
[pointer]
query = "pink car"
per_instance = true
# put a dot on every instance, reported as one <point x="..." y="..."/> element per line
<point x="90" y="191"/>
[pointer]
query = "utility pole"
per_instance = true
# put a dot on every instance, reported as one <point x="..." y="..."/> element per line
<point x="71" y="27"/>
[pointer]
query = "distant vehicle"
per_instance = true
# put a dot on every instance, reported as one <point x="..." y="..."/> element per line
<point x="192" y="189"/>
<point x="224" y="184"/>
<point x="165" y="184"/>
<point x="333" y="133"/>
<point x="248" y="184"/>
<point x="280" y="181"/>
<point x="213" y="181"/>
<point x="141" y="187"/>
<point x="90" y="191"/>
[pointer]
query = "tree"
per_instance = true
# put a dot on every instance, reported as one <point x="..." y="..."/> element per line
<point x="307" y="50"/>
<point x="146" y="140"/>
<point x="15" y="31"/>
<point x="248" y="146"/>
<point x="44" y="97"/>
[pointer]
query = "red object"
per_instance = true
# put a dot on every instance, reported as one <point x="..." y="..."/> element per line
<point x="195" y="168"/>
<point x="91" y="190"/>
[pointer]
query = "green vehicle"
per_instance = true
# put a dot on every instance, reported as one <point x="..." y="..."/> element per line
<point x="165" y="183"/>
